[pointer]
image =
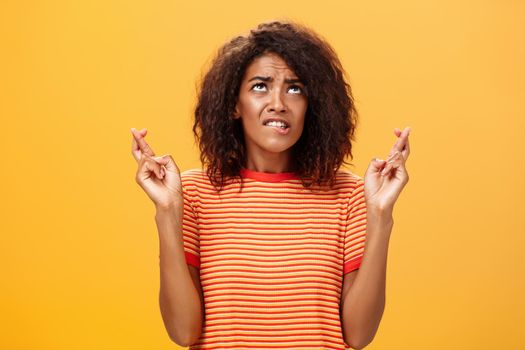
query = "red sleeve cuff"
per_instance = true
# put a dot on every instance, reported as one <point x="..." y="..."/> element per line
<point x="192" y="259"/>
<point x="352" y="265"/>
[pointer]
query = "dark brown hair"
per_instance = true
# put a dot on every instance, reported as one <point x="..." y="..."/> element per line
<point x="330" y="118"/>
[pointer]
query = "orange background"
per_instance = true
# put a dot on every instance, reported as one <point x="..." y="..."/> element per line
<point x="79" y="247"/>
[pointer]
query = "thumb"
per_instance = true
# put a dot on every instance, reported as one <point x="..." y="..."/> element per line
<point x="375" y="166"/>
<point x="168" y="162"/>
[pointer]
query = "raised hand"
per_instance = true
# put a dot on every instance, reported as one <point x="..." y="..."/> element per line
<point x="385" y="179"/>
<point x="159" y="177"/>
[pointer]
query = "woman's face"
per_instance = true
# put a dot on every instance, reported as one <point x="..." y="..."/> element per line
<point x="271" y="105"/>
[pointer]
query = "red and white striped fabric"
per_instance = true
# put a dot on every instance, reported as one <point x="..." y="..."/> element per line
<point x="272" y="258"/>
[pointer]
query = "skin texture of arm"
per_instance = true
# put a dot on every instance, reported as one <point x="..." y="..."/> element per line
<point x="180" y="296"/>
<point x="363" y="296"/>
<point x="195" y="275"/>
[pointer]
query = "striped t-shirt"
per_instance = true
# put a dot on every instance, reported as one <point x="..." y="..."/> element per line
<point x="272" y="258"/>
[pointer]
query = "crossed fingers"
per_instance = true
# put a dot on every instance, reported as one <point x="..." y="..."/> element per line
<point x="139" y="146"/>
<point x="402" y="145"/>
<point x="399" y="152"/>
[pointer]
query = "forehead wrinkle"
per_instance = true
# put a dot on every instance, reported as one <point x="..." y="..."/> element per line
<point x="278" y="68"/>
<point x="268" y="66"/>
<point x="271" y="77"/>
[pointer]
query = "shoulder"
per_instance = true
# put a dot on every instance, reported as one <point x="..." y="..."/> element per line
<point x="351" y="184"/>
<point x="346" y="177"/>
<point x="354" y="188"/>
<point x="194" y="173"/>
<point x="192" y="179"/>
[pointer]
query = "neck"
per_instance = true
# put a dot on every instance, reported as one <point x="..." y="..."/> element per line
<point x="270" y="163"/>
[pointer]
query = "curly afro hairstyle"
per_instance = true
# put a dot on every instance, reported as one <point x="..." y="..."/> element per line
<point x="330" y="118"/>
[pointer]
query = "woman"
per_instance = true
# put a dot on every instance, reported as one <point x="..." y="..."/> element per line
<point x="272" y="244"/>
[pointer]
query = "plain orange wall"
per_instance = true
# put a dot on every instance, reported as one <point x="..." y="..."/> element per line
<point x="79" y="247"/>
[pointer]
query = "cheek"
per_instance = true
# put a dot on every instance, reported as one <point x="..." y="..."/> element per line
<point x="252" y="106"/>
<point x="299" y="130"/>
<point x="302" y="112"/>
<point x="300" y="106"/>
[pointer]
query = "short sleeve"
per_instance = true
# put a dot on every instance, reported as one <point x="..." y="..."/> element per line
<point x="190" y="228"/>
<point x="355" y="228"/>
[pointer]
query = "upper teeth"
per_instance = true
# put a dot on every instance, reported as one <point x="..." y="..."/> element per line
<point x="275" y="123"/>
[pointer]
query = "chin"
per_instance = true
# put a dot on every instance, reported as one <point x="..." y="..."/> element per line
<point x="277" y="147"/>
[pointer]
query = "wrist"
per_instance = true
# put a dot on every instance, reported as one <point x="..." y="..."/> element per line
<point x="381" y="216"/>
<point x="169" y="210"/>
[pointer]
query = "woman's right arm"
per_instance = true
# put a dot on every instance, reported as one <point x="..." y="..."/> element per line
<point x="180" y="297"/>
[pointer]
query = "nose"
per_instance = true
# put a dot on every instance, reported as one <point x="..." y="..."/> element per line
<point x="276" y="103"/>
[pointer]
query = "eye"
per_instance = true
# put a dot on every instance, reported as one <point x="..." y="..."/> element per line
<point x="297" y="88"/>
<point x="258" y="87"/>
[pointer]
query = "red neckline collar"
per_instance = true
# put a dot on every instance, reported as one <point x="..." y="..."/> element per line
<point x="267" y="177"/>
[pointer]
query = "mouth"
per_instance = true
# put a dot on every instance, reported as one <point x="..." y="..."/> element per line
<point x="277" y="122"/>
<point x="280" y="126"/>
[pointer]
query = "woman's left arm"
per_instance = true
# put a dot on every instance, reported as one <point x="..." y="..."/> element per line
<point x="363" y="298"/>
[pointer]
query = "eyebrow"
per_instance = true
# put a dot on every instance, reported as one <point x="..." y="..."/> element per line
<point x="289" y="81"/>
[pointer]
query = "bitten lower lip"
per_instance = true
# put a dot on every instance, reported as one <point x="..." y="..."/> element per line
<point x="279" y="130"/>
